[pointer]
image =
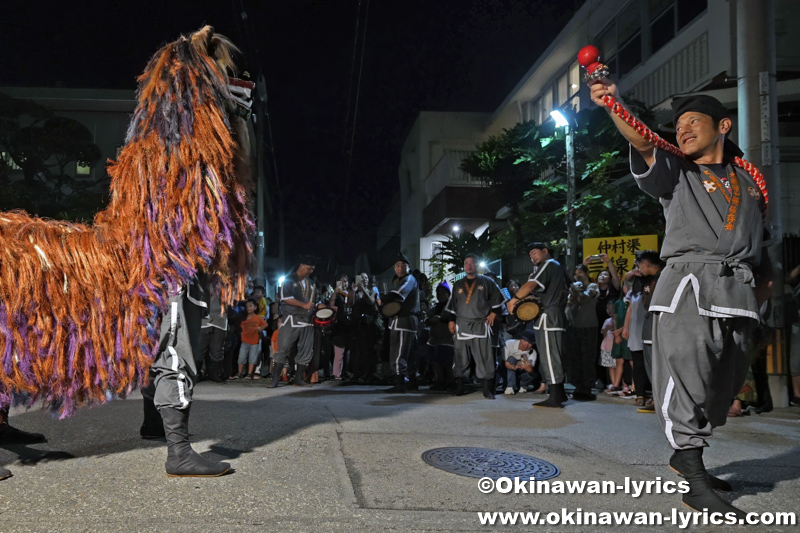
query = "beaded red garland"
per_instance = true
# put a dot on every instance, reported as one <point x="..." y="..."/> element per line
<point x="589" y="59"/>
<point x="652" y="137"/>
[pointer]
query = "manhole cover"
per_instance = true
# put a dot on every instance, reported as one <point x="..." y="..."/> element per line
<point x="484" y="462"/>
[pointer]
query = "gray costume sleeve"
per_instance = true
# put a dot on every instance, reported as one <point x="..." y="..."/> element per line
<point x="405" y="289"/>
<point x="495" y="297"/>
<point x="658" y="181"/>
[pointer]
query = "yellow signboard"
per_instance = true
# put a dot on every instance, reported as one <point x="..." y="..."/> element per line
<point x="620" y="250"/>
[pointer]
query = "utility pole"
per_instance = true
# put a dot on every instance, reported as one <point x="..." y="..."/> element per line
<point x="260" y="118"/>
<point x="572" y="229"/>
<point x="758" y="138"/>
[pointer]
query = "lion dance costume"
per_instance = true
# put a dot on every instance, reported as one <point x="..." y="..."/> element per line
<point x="87" y="312"/>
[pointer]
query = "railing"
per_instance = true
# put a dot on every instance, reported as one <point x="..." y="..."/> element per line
<point x="447" y="174"/>
<point x="680" y="73"/>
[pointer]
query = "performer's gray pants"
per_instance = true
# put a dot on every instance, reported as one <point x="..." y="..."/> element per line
<point x="288" y="338"/>
<point x="173" y="374"/>
<point x="479" y="349"/>
<point x="212" y="343"/>
<point x="548" y="346"/>
<point x="699" y="365"/>
<point x="400" y="343"/>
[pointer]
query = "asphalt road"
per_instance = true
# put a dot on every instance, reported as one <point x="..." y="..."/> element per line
<point x="348" y="458"/>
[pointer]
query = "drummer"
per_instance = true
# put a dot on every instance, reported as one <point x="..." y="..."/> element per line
<point x="297" y="303"/>
<point x="549" y="283"/>
<point x="403" y="325"/>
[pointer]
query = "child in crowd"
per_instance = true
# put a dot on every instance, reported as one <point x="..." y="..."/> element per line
<point x="620" y="351"/>
<point x="250" y="351"/>
<point x="607" y="345"/>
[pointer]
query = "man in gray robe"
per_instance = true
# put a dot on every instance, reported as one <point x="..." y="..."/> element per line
<point x="297" y="327"/>
<point x="705" y="299"/>
<point x="403" y="326"/>
<point x="475" y="303"/>
<point x="549" y="283"/>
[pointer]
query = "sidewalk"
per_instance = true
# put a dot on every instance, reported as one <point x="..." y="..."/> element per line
<point x="347" y="458"/>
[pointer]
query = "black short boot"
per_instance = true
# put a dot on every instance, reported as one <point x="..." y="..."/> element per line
<point x="412" y="382"/>
<point x="153" y="426"/>
<point x="12" y="435"/>
<point x="701" y="496"/>
<point x="277" y="369"/>
<point x="460" y="387"/>
<point x="182" y="460"/>
<point x="488" y="388"/>
<point x="556" y="398"/>
<point x="716" y="483"/>
<point x="5" y="473"/>
<point x="399" y="385"/>
<point x="298" y="376"/>
<point x="214" y="372"/>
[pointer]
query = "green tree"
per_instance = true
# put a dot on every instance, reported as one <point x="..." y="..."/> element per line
<point x="528" y="163"/>
<point x="450" y="261"/>
<point x="41" y="146"/>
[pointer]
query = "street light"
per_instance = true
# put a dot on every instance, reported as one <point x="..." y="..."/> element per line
<point x="281" y="280"/>
<point x="456" y="228"/>
<point x="483" y="264"/>
<point x="560" y="118"/>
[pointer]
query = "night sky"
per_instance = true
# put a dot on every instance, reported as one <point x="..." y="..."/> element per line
<point x="434" y="55"/>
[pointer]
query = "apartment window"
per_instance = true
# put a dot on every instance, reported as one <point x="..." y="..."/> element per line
<point x="547" y="103"/>
<point x="536" y="110"/>
<point x="688" y="10"/>
<point x="667" y="17"/>
<point x="574" y="85"/>
<point x="82" y="170"/>
<point x="629" y="38"/>
<point x="561" y="90"/>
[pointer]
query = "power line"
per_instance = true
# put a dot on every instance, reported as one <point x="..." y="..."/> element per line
<point x="355" y="109"/>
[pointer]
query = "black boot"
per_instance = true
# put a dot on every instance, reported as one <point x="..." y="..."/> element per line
<point x="298" y="377"/>
<point x="412" y="382"/>
<point x="213" y="373"/>
<point x="399" y="385"/>
<point x="153" y="426"/>
<point x="459" y="387"/>
<point x="182" y="460"/>
<point x="701" y="495"/>
<point x="12" y="435"/>
<point x="556" y="398"/>
<point x="488" y="386"/>
<point x="5" y="473"/>
<point x="716" y="483"/>
<point x="277" y="369"/>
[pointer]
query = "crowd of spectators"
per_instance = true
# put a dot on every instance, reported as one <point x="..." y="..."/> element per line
<point x="607" y="341"/>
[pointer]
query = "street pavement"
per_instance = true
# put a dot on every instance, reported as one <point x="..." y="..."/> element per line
<point x="348" y="458"/>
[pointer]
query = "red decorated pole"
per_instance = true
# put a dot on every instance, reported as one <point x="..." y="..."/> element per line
<point x="589" y="59"/>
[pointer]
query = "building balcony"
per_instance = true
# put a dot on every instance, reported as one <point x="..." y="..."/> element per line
<point x="446" y="173"/>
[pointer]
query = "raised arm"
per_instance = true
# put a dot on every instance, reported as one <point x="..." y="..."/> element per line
<point x="598" y="90"/>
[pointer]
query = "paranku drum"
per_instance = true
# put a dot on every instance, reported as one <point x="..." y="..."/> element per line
<point x="390" y="309"/>
<point x="527" y="308"/>
<point x="324" y="317"/>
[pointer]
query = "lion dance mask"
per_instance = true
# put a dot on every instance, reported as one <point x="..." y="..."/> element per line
<point x="81" y="305"/>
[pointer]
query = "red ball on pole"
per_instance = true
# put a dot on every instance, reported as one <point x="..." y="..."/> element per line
<point x="588" y="57"/>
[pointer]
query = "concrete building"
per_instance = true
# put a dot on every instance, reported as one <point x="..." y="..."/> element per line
<point x="436" y="197"/>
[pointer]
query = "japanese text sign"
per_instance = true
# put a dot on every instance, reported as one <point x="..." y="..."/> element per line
<point x="620" y="250"/>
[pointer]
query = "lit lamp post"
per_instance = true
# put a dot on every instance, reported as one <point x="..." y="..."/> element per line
<point x="572" y="229"/>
